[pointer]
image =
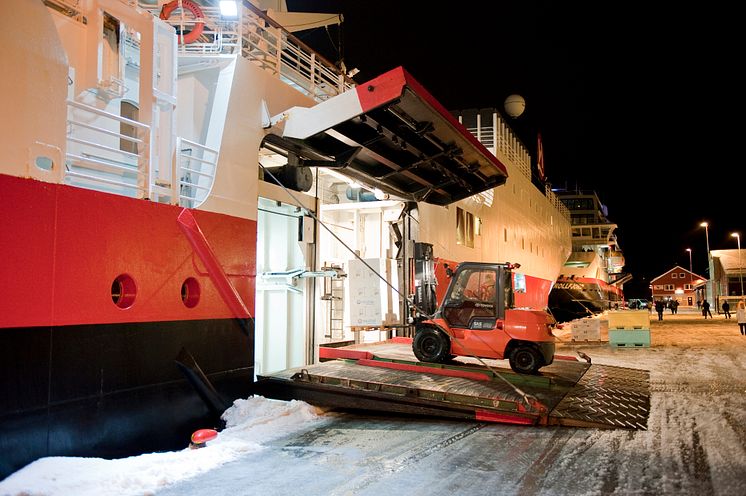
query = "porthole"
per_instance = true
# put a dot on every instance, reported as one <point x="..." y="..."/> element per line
<point x="44" y="163"/>
<point x="123" y="291"/>
<point x="190" y="292"/>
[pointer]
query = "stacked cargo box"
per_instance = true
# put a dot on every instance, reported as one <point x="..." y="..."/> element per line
<point x="629" y="328"/>
<point x="588" y="329"/>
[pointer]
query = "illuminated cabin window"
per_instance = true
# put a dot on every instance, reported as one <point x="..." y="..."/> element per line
<point x="464" y="228"/>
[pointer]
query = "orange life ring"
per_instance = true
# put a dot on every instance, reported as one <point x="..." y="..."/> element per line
<point x="199" y="26"/>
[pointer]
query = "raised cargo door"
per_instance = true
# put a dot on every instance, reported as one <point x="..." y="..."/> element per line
<point x="391" y="134"/>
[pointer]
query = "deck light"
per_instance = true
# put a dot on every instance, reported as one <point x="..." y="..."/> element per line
<point x="228" y="8"/>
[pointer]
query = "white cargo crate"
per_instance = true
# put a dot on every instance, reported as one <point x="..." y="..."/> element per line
<point x="586" y="329"/>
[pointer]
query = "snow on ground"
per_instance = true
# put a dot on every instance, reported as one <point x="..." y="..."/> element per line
<point x="249" y="423"/>
<point x="695" y="442"/>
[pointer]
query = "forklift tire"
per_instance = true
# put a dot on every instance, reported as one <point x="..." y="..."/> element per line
<point x="431" y="345"/>
<point x="525" y="360"/>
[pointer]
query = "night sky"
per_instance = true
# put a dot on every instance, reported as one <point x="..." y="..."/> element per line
<point x="640" y="103"/>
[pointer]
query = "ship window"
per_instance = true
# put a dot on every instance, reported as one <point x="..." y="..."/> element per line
<point x="111" y="68"/>
<point x="128" y="132"/>
<point x="190" y="292"/>
<point x="464" y="228"/>
<point x="44" y="163"/>
<point x="668" y="287"/>
<point x="681" y="275"/>
<point x="123" y="291"/>
<point x="674" y="276"/>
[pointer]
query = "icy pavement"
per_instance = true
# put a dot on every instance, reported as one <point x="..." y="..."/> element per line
<point x="695" y="443"/>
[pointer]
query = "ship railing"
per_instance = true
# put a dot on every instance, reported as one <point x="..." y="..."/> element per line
<point x="267" y="44"/>
<point x="196" y="165"/>
<point x="110" y="153"/>
<point x="556" y="202"/>
<point x="500" y="139"/>
<point x="106" y="152"/>
<point x="264" y="42"/>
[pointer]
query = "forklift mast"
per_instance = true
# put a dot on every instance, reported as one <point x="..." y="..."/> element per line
<point x="425" y="302"/>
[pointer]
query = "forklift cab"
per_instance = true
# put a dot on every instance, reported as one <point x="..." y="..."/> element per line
<point x="478" y="295"/>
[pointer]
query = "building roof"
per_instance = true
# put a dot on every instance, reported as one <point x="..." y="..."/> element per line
<point x="729" y="259"/>
<point x="678" y="268"/>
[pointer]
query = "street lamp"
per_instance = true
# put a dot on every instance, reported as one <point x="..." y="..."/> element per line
<point x="708" y="287"/>
<point x="690" y="261"/>
<point x="691" y="289"/>
<point x="707" y="238"/>
<point x="740" y="275"/>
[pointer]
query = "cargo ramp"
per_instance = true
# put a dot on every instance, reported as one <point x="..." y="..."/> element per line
<point x="386" y="377"/>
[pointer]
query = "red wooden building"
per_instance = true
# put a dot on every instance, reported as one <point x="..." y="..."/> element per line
<point x="678" y="284"/>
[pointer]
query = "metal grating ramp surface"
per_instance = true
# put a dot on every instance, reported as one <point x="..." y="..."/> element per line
<point x="607" y="397"/>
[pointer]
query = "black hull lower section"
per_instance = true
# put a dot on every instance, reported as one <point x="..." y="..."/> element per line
<point x="115" y="390"/>
<point x="583" y="300"/>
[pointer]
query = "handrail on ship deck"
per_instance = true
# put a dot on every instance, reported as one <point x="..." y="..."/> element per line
<point x="267" y="44"/>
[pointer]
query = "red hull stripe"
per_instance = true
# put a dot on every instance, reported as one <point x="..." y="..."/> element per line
<point x="62" y="249"/>
<point x="488" y="416"/>
<point x="589" y="280"/>
<point x="425" y="369"/>
<point x="332" y="353"/>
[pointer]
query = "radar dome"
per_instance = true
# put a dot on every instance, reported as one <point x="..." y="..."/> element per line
<point x="515" y="105"/>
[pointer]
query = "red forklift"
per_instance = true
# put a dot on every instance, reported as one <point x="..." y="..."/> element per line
<point x="476" y="318"/>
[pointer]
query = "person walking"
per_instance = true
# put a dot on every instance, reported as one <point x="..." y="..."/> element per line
<point x="659" y="307"/>
<point x="674" y="306"/>
<point x="706" y="309"/>
<point x="741" y="317"/>
<point x="726" y="309"/>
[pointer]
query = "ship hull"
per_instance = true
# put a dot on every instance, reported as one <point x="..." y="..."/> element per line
<point x="117" y="339"/>
<point x="114" y="390"/>
<point x="572" y="299"/>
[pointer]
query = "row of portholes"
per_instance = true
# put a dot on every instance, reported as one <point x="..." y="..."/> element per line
<point x="124" y="291"/>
